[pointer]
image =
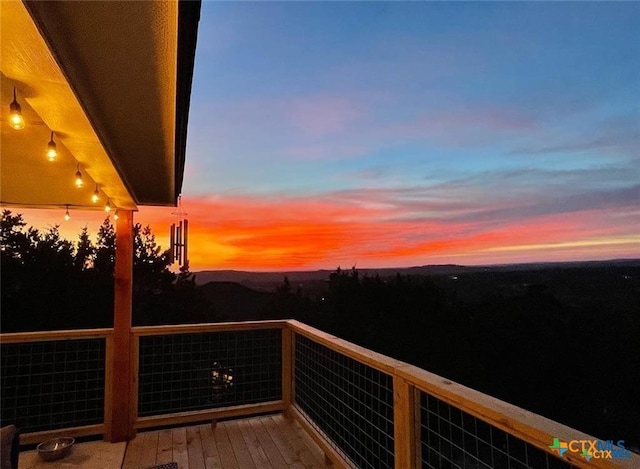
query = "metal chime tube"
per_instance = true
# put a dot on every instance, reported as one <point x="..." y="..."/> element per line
<point x="179" y="244"/>
<point x="172" y="244"/>
<point x="184" y="243"/>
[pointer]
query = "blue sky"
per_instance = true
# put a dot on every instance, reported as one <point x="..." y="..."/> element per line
<point x="296" y="96"/>
<point x="461" y="118"/>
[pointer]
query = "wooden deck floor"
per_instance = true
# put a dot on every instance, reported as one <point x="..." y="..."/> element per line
<point x="268" y="442"/>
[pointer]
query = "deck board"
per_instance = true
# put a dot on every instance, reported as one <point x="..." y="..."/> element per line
<point x="164" y="454"/>
<point x="268" y="442"/>
<point x="282" y="443"/>
<point x="227" y="456"/>
<point x="240" y="449"/>
<point x="133" y="453"/>
<point x="180" y="454"/>
<point x="257" y="453"/>
<point x="209" y="448"/>
<point x="272" y="452"/>
<point x="304" y="447"/>
<point x="194" y="448"/>
<point x="149" y="447"/>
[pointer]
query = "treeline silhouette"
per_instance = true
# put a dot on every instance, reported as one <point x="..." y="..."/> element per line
<point x="51" y="283"/>
<point x="579" y="365"/>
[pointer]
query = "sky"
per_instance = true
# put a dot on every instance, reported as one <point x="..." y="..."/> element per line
<point x="388" y="134"/>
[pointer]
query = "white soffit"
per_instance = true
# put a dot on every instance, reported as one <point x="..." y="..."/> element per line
<point x="48" y="103"/>
<point x="120" y="58"/>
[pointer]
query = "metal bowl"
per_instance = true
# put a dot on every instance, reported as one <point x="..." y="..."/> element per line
<point x="56" y="448"/>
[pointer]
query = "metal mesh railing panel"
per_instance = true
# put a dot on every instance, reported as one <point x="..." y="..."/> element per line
<point x="182" y="372"/>
<point x="452" y="438"/>
<point x="348" y="401"/>
<point x="53" y="384"/>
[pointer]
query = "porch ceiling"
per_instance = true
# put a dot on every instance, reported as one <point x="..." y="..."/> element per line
<point x="112" y="80"/>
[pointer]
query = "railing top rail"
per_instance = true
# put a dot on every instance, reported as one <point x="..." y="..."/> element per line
<point x="207" y="327"/>
<point x="528" y="426"/>
<point x="369" y="357"/>
<point x="43" y="336"/>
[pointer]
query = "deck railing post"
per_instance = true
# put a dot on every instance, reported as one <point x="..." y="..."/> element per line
<point x="404" y="424"/>
<point x="108" y="388"/>
<point x="118" y="380"/>
<point x="287" y="369"/>
<point x="417" y="426"/>
<point x="133" y="390"/>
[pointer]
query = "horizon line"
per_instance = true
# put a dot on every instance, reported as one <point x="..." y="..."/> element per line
<point x="508" y="264"/>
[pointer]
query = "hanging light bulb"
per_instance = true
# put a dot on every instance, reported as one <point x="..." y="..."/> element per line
<point x="79" y="181"/>
<point x="96" y="195"/>
<point x="107" y="208"/>
<point x="52" y="152"/>
<point x="115" y="215"/>
<point x="16" y="120"/>
<point x="67" y="217"/>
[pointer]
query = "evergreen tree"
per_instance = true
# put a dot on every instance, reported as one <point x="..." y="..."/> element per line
<point x="150" y="265"/>
<point x="53" y="251"/>
<point x="85" y="251"/>
<point x="13" y="241"/>
<point x="105" y="254"/>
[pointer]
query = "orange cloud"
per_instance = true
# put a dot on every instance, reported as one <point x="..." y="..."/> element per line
<point x="267" y="233"/>
<point x="324" y="232"/>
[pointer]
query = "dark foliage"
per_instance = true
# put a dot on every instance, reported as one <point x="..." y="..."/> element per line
<point x="48" y="283"/>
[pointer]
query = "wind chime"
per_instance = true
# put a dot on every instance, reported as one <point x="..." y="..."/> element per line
<point x="178" y="236"/>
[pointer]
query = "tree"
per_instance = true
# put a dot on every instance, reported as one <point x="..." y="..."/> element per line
<point x="150" y="265"/>
<point x="48" y="283"/>
<point x="105" y="254"/>
<point x="53" y="250"/>
<point x="14" y="245"/>
<point x="13" y="240"/>
<point x="85" y="251"/>
<point x="37" y="275"/>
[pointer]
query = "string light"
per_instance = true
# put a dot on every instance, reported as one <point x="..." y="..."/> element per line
<point x="96" y="195"/>
<point x="107" y="207"/>
<point x="67" y="217"/>
<point x="115" y="215"/>
<point x="16" y="120"/>
<point x="52" y="151"/>
<point x="79" y="181"/>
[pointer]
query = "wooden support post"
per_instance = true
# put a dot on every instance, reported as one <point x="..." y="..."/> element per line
<point x="404" y="424"/>
<point x="119" y="380"/>
<point x="287" y="370"/>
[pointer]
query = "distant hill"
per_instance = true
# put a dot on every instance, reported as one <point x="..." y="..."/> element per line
<point x="232" y="301"/>
<point x="267" y="281"/>
<point x="251" y="278"/>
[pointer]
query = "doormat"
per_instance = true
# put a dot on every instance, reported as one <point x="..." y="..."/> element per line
<point x="171" y="465"/>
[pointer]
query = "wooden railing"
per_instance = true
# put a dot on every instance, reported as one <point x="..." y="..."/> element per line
<point x="23" y="338"/>
<point x="173" y="418"/>
<point x="410" y="382"/>
<point x="410" y="387"/>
